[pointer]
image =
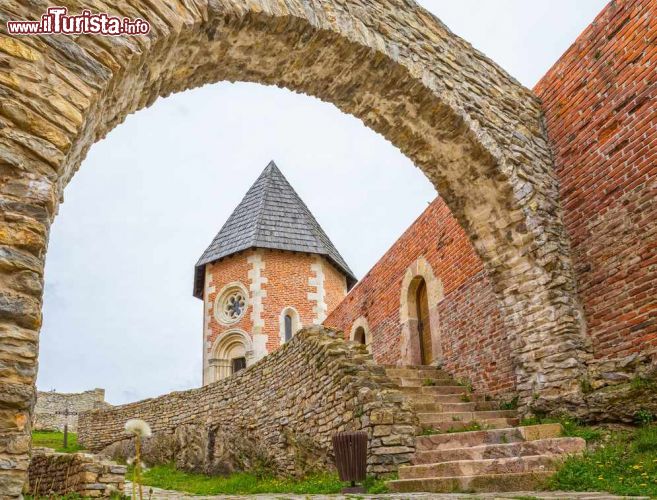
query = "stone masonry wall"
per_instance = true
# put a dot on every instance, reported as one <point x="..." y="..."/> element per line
<point x="600" y="100"/>
<point x="84" y="474"/>
<point x="47" y="412"/>
<point x="288" y="406"/>
<point x="472" y="337"/>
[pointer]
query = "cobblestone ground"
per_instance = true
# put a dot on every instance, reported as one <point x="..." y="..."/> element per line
<point x="158" y="494"/>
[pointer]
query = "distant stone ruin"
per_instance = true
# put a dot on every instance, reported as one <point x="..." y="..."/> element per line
<point x="50" y="409"/>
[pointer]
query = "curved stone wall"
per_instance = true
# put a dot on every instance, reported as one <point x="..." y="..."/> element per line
<point x="290" y="404"/>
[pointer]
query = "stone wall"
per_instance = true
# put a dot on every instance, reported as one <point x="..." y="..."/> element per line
<point x="284" y="409"/>
<point x="50" y="405"/>
<point x="84" y="474"/>
<point x="470" y="341"/>
<point x="600" y="100"/>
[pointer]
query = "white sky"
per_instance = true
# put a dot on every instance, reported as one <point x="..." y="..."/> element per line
<point x="118" y="308"/>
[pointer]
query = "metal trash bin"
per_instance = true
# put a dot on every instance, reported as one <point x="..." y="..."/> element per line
<point x="350" y="449"/>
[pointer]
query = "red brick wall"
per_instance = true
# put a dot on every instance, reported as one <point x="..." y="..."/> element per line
<point x="600" y="103"/>
<point x="472" y="336"/>
<point x="228" y="270"/>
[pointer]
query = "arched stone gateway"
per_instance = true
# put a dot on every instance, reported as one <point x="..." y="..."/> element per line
<point x="473" y="130"/>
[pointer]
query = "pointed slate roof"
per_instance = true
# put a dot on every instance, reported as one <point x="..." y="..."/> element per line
<point x="271" y="215"/>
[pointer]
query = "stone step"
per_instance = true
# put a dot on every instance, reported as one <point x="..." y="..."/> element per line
<point x="484" y="483"/>
<point x="410" y="367"/>
<point x="512" y="465"/>
<point x="494" y="436"/>
<point x="485" y="424"/>
<point x="420" y="382"/>
<point x="416" y="374"/>
<point x="422" y="398"/>
<point x="440" y="407"/>
<point x="471" y="416"/>
<point x="439" y="389"/>
<point x="552" y="446"/>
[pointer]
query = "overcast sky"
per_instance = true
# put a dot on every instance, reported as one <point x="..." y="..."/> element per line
<point x="118" y="305"/>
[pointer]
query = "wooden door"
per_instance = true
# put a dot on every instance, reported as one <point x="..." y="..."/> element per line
<point x="423" y="323"/>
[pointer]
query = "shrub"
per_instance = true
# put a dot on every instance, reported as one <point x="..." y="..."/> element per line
<point x="644" y="417"/>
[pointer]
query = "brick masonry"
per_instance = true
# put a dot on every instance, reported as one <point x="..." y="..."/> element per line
<point x="290" y="403"/>
<point x="599" y="100"/>
<point x="50" y="406"/>
<point x="466" y="318"/>
<point x="83" y="474"/>
<point x="275" y="281"/>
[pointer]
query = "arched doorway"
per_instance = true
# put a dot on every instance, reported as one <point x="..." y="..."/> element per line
<point x="423" y="323"/>
<point x="482" y="145"/>
<point x="230" y="354"/>
<point x="421" y="293"/>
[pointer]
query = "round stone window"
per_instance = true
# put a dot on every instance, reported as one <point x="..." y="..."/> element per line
<point x="231" y="304"/>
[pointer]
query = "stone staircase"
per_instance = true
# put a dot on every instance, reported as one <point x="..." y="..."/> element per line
<point x="466" y="444"/>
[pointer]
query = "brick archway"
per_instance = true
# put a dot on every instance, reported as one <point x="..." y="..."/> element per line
<point x="473" y="130"/>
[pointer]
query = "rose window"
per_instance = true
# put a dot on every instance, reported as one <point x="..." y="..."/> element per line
<point x="234" y="306"/>
<point x="231" y="305"/>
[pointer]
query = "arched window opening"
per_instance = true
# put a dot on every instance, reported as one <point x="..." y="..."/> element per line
<point x="290" y="324"/>
<point x="359" y="335"/>
<point x="288" y="327"/>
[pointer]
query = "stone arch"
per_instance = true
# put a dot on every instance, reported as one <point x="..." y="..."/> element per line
<point x="296" y="322"/>
<point x="419" y="271"/>
<point x="231" y="344"/>
<point x="475" y="132"/>
<point x="361" y="324"/>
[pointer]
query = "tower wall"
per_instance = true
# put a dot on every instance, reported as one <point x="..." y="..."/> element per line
<point x="306" y="286"/>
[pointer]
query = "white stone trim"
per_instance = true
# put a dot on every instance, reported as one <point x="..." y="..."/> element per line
<point x="258" y="292"/>
<point x="319" y="295"/>
<point x="296" y="322"/>
<point x="208" y="290"/>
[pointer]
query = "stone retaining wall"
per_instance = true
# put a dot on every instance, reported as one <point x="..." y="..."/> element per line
<point x="52" y="473"/>
<point x="50" y="405"/>
<point x="281" y="412"/>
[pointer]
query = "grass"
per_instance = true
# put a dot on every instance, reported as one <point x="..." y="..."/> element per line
<point x="167" y="477"/>
<point x="55" y="440"/>
<point x="624" y="464"/>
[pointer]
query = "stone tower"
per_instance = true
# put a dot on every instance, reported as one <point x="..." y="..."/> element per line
<point x="269" y="271"/>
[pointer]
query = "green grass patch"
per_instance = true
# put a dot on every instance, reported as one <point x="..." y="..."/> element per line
<point x="55" y="440"/>
<point x="624" y="463"/>
<point x="243" y="483"/>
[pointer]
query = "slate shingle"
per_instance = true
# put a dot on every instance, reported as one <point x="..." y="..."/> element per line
<point x="271" y="215"/>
